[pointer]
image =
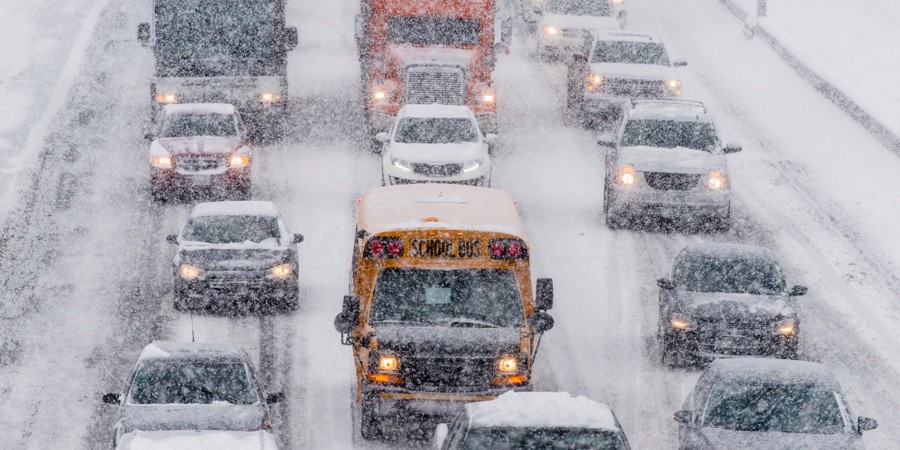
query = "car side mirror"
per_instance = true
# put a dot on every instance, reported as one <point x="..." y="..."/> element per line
<point x="382" y="137"/>
<point x="440" y="435"/>
<point x="143" y="34"/>
<point x="291" y="38"/>
<point x="798" y="291"/>
<point x="490" y="138"/>
<point x="149" y="137"/>
<point x="606" y="140"/>
<point x="172" y="239"/>
<point x="866" y="424"/>
<point x="544" y="294"/>
<point x="665" y="283"/>
<point x="679" y="63"/>
<point x="732" y="147"/>
<point x="540" y="321"/>
<point x="113" y="399"/>
<point x="348" y="318"/>
<point x="683" y="416"/>
<point x="298" y="238"/>
<point x="275" y="397"/>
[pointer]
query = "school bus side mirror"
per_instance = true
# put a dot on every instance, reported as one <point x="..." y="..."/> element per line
<point x="540" y="321"/>
<point x="348" y="318"/>
<point x="544" y="294"/>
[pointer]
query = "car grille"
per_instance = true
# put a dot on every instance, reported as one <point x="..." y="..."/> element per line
<point x="435" y="84"/>
<point x="735" y="338"/>
<point x="448" y="373"/>
<point x="199" y="163"/>
<point x="671" y="181"/>
<point x="438" y="170"/>
<point x="471" y="182"/>
<point x="228" y="283"/>
<point x="636" y="88"/>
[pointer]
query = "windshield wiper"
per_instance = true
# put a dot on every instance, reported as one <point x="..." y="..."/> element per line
<point x="464" y="322"/>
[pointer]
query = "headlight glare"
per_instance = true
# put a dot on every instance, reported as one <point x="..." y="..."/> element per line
<point x="166" y="98"/>
<point x="786" y="327"/>
<point x="401" y="164"/>
<point x="716" y="181"/>
<point x="508" y="365"/>
<point x="681" y="322"/>
<point x="280" y="271"/>
<point x="189" y="272"/>
<point x="269" y="97"/>
<point x="238" y="161"/>
<point x="388" y="363"/>
<point x="550" y="29"/>
<point x="162" y="162"/>
<point x="626" y="175"/>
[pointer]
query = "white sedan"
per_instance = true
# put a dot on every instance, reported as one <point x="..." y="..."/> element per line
<point x="436" y="144"/>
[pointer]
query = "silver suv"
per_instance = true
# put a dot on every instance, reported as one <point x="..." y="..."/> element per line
<point x="666" y="159"/>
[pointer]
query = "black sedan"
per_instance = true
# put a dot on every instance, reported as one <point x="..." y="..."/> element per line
<point x="235" y="254"/>
<point x="726" y="299"/>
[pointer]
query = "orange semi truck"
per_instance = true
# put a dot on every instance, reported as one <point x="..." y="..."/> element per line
<point x="427" y="51"/>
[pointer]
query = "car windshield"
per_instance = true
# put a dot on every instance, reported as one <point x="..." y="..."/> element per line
<point x="579" y="7"/>
<point x="708" y="273"/>
<point x="433" y="130"/>
<point x="468" y="297"/>
<point x="189" y="125"/>
<point x="231" y="229"/>
<point x="669" y="134"/>
<point x="626" y="52"/>
<point x="184" y="382"/>
<point x="774" y="407"/>
<point x="541" y="438"/>
<point x="433" y="30"/>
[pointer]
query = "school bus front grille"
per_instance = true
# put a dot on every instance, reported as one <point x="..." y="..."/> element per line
<point x="448" y="373"/>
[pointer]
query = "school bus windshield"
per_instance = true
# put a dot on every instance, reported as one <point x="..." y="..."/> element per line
<point x="461" y="297"/>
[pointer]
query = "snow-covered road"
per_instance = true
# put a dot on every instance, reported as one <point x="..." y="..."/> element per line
<point x="88" y="280"/>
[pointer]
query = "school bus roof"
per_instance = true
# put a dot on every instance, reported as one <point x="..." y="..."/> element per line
<point x="438" y="206"/>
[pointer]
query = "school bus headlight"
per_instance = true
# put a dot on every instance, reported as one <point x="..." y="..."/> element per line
<point x="162" y="162"/>
<point x="388" y="363"/>
<point x="166" y="98"/>
<point x="189" y="272"/>
<point x="401" y="164"/>
<point x="280" y="271"/>
<point x="507" y="365"/>
<point x="471" y="165"/>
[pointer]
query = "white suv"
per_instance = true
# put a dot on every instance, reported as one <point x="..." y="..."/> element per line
<point x="666" y="159"/>
<point x="436" y="144"/>
<point x="619" y="67"/>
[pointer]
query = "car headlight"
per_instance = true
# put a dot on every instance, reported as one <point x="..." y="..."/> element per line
<point x="507" y="365"/>
<point x="401" y="164"/>
<point x="189" y="272"/>
<point x="471" y="165"/>
<point x="550" y="29"/>
<point x="162" y="162"/>
<point x="786" y="327"/>
<point x="280" y="271"/>
<point x="166" y="98"/>
<point x="716" y="181"/>
<point x="269" y="97"/>
<point x="626" y="175"/>
<point x="681" y="322"/>
<point x="674" y="86"/>
<point x="238" y="161"/>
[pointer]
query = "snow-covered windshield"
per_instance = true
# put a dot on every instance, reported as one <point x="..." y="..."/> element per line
<point x="705" y="273"/>
<point x="476" y="297"/>
<point x="229" y="229"/>
<point x="422" y="130"/>
<point x="579" y="7"/>
<point x="220" y="38"/>
<point x="669" y="134"/>
<point x="541" y="438"/>
<point x="433" y="30"/>
<point x="624" y="52"/>
<point x="179" y="381"/>
<point x="774" y="407"/>
<point x="189" y="125"/>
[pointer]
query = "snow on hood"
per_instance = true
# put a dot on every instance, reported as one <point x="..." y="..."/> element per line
<point x="199" y="145"/>
<point x="581" y="22"/>
<point x="231" y="259"/>
<point x="437" y="153"/>
<point x="197" y="440"/>
<point x="752" y="440"/>
<point x="673" y="160"/>
<point x="635" y="71"/>
<point x="718" y="304"/>
<point x="214" y="416"/>
<point x="541" y="409"/>
<point x="431" y="55"/>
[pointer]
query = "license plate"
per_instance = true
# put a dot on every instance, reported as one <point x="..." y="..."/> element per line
<point x="201" y="180"/>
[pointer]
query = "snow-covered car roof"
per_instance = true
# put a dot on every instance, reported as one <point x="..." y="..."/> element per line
<point x="438" y="206"/>
<point x="680" y="110"/>
<point x="190" y="350"/>
<point x="541" y="410"/>
<point x="729" y="250"/>
<point x="197" y="439"/>
<point x="199" y="108"/>
<point x="235" y="208"/>
<point x="435" y="110"/>
<point x="781" y="371"/>
<point x="630" y="36"/>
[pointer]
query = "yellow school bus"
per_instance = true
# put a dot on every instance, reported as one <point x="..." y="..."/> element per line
<point x="440" y="310"/>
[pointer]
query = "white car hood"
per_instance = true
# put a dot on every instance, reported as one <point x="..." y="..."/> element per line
<point x="580" y="22"/>
<point x="436" y="153"/>
<point x="639" y="71"/>
<point x="203" y="145"/>
<point x="432" y="55"/>
<point x="672" y="160"/>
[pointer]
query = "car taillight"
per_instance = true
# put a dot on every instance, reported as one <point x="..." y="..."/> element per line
<point x="384" y="247"/>
<point x="507" y="249"/>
